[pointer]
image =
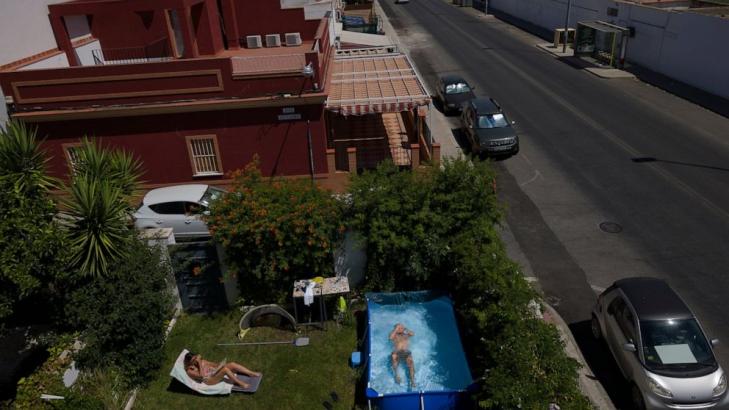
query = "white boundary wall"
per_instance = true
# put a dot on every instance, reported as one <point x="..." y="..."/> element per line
<point x="689" y="47"/>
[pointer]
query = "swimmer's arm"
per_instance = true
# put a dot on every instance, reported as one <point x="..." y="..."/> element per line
<point x="392" y="334"/>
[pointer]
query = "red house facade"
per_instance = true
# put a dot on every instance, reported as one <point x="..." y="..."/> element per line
<point x="197" y="88"/>
<point x="181" y="91"/>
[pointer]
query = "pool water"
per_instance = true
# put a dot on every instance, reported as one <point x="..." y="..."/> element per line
<point x="436" y="348"/>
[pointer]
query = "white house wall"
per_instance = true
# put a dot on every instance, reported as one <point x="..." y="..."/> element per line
<point x="685" y="46"/>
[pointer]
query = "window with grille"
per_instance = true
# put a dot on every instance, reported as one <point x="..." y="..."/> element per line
<point x="72" y="155"/>
<point x="204" y="155"/>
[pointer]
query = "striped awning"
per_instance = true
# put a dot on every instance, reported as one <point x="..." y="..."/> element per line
<point x="374" y="84"/>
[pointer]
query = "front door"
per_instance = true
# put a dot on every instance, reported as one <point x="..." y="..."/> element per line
<point x="198" y="276"/>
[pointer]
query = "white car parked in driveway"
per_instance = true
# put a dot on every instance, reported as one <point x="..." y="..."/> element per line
<point x="178" y="207"/>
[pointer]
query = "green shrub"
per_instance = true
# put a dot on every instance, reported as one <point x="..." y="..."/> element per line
<point x="122" y="315"/>
<point x="274" y="232"/>
<point x="32" y="250"/>
<point x="47" y="379"/>
<point x="412" y="221"/>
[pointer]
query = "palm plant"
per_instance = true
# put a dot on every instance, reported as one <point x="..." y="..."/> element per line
<point x="99" y="232"/>
<point x="100" y="207"/>
<point x="22" y="161"/>
<point x="118" y="167"/>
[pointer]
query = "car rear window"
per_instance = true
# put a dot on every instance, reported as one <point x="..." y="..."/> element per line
<point x="457" y="88"/>
<point x="169" y="208"/>
<point x="492" y="121"/>
<point x="675" y="344"/>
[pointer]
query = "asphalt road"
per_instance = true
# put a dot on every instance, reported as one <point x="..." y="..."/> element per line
<point x="592" y="151"/>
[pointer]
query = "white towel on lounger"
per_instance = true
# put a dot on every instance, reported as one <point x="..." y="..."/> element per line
<point x="179" y="373"/>
<point x="309" y="293"/>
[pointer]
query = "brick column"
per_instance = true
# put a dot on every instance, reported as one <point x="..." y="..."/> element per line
<point x="231" y="24"/>
<point x="352" y="159"/>
<point x="331" y="161"/>
<point x="62" y="39"/>
<point x="436" y="154"/>
<point x="414" y="155"/>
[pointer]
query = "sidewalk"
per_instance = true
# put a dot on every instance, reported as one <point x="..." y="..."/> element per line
<point x="440" y="127"/>
<point x="569" y="58"/>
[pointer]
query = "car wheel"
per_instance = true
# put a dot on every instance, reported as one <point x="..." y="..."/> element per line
<point x="637" y="398"/>
<point x="595" y="327"/>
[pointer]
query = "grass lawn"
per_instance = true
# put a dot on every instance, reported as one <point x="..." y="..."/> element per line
<point x="293" y="377"/>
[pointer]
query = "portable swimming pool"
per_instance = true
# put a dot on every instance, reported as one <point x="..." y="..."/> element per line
<point x="441" y="371"/>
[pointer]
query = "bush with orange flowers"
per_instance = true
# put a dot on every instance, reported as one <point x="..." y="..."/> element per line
<point x="275" y="231"/>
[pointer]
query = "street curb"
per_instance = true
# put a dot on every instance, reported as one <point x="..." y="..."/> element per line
<point x="606" y="73"/>
<point x="589" y="384"/>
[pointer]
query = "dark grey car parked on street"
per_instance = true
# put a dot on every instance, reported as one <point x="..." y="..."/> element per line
<point x="453" y="92"/>
<point x="487" y="129"/>
<point x="659" y="346"/>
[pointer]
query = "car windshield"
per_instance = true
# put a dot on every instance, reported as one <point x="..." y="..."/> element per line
<point x="492" y="121"/>
<point x="675" y="345"/>
<point x="457" y="88"/>
<point x="210" y="195"/>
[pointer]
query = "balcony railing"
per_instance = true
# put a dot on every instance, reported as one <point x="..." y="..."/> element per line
<point x="153" y="52"/>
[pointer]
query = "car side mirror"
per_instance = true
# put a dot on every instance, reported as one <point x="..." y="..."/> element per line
<point x="629" y="347"/>
<point x="714" y="342"/>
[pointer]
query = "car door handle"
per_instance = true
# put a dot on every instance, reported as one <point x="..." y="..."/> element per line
<point x="159" y="221"/>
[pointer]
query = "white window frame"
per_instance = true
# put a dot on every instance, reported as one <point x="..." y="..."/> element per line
<point x="210" y="158"/>
<point x="71" y="158"/>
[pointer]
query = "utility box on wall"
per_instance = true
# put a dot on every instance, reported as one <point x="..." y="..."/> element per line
<point x="559" y="36"/>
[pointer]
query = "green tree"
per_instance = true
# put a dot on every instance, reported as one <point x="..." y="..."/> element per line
<point x="410" y="221"/>
<point x="123" y="314"/>
<point x="32" y="254"/>
<point x="439" y="229"/>
<point x="99" y="205"/>
<point x="275" y="232"/>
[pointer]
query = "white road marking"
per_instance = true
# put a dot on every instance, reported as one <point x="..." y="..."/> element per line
<point x="536" y="176"/>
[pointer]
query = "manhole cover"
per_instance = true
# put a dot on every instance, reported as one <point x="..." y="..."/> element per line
<point x="611" y="227"/>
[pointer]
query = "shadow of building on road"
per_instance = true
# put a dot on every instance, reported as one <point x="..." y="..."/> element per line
<point x="461" y="140"/>
<point x="688" y="92"/>
<point x="603" y="365"/>
<point x="640" y="160"/>
<point x="532" y="28"/>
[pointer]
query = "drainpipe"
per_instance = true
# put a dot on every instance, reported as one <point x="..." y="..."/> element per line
<point x="311" y="150"/>
<point x="566" y="26"/>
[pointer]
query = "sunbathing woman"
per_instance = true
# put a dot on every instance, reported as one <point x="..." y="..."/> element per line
<point x="204" y="371"/>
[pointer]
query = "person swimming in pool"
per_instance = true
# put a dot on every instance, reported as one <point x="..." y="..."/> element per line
<point x="400" y="337"/>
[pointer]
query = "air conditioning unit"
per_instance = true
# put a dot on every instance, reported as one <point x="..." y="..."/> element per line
<point x="293" y="39"/>
<point x="254" y="42"/>
<point x="273" y="40"/>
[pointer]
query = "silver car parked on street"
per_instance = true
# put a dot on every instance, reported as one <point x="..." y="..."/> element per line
<point x="179" y="207"/>
<point x="659" y="346"/>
